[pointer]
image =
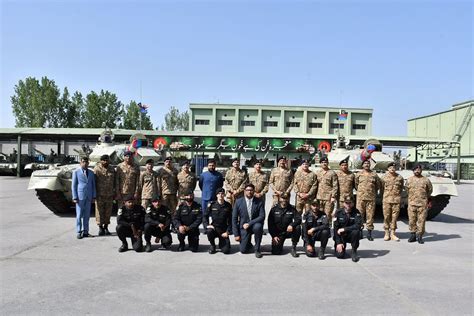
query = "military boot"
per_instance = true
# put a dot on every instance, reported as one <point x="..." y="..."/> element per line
<point x="106" y="231"/>
<point x="212" y="249"/>
<point x="387" y="235"/>
<point x="293" y="252"/>
<point x="148" y="246"/>
<point x="101" y="231"/>
<point x="369" y="235"/>
<point x="354" y="256"/>
<point x="412" y="238"/>
<point x="181" y="246"/>
<point x="419" y="237"/>
<point x="124" y="247"/>
<point x="321" y="255"/>
<point x="393" y="236"/>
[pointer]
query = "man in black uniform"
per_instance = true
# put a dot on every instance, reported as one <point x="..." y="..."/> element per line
<point x="347" y="228"/>
<point x="187" y="219"/>
<point x="284" y="222"/>
<point x="221" y="227"/>
<point x="130" y="221"/>
<point x="315" y="227"/>
<point x="157" y="223"/>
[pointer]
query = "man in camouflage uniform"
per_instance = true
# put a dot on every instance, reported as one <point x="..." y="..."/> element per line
<point x="260" y="180"/>
<point x="419" y="189"/>
<point x="281" y="180"/>
<point x="105" y="188"/>
<point x="186" y="180"/>
<point x="328" y="187"/>
<point x="235" y="181"/>
<point x="346" y="181"/>
<point x="128" y="174"/>
<point x="392" y="186"/>
<point x="305" y="184"/>
<point x="168" y="184"/>
<point x="147" y="185"/>
<point x="367" y="184"/>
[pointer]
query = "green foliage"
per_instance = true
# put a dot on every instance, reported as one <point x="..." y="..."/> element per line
<point x="176" y="121"/>
<point x="102" y="110"/>
<point x="131" y="118"/>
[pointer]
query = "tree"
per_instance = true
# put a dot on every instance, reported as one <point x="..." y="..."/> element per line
<point x="102" y="110"/>
<point x="176" y="121"/>
<point x="75" y="116"/>
<point x="131" y="118"/>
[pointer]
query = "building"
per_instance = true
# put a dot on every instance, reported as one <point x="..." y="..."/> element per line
<point x="454" y="124"/>
<point x="278" y="120"/>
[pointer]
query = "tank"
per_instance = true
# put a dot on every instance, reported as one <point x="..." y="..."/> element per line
<point x="8" y="164"/>
<point x="53" y="186"/>
<point x="47" y="161"/>
<point x="443" y="185"/>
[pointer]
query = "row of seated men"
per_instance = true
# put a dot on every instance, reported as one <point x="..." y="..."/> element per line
<point x="245" y="219"/>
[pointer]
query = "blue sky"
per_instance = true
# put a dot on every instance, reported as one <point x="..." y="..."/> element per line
<point x="401" y="58"/>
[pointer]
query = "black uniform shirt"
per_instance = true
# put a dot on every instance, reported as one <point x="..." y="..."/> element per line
<point x="317" y="220"/>
<point x="160" y="215"/>
<point x="190" y="216"/>
<point x="135" y="216"/>
<point x="221" y="215"/>
<point x="349" y="221"/>
<point x="280" y="218"/>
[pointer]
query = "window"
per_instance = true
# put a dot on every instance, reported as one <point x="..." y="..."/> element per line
<point x="292" y="124"/>
<point x="201" y="122"/>
<point x="358" y="126"/>
<point x="247" y="123"/>
<point x="337" y="125"/>
<point x="315" y="125"/>
<point x="224" y="122"/>
<point x="270" y="123"/>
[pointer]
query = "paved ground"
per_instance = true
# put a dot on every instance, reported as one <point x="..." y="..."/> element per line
<point x="46" y="270"/>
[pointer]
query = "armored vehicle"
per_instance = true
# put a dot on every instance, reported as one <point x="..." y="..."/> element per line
<point x="47" y="161"/>
<point x="53" y="186"/>
<point x="8" y="164"/>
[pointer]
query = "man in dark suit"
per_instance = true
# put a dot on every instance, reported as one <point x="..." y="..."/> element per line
<point x="248" y="216"/>
<point x="83" y="194"/>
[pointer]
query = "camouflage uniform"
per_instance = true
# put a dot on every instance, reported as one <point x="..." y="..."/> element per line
<point x="260" y="181"/>
<point x="281" y="180"/>
<point x="127" y="180"/>
<point x="235" y="181"/>
<point x="148" y="187"/>
<point x="328" y="189"/>
<point x="392" y="189"/>
<point x="346" y="183"/>
<point x="304" y="182"/>
<point x="105" y="188"/>
<point x="419" y="190"/>
<point x="168" y="187"/>
<point x="187" y="183"/>
<point x="367" y="185"/>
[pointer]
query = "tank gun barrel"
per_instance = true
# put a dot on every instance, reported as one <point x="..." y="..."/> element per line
<point x="39" y="152"/>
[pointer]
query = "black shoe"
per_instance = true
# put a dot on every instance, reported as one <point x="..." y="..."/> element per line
<point x="369" y="235"/>
<point x="79" y="235"/>
<point x="420" y="239"/>
<point x="194" y="249"/>
<point x="86" y="235"/>
<point x="212" y="250"/>
<point x="148" y="247"/>
<point x="123" y="248"/>
<point x="354" y="256"/>
<point x="412" y="237"/>
<point x="181" y="247"/>
<point x="321" y="255"/>
<point x="361" y="234"/>
<point x="258" y="254"/>
<point x="294" y="254"/>
<point x="106" y="231"/>
<point x="101" y="231"/>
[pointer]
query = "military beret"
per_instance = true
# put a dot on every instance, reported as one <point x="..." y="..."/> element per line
<point x="391" y="164"/>
<point x="185" y="162"/>
<point x="168" y="158"/>
<point x="348" y="199"/>
<point x="150" y="161"/>
<point x="306" y="161"/>
<point x="104" y="157"/>
<point x="220" y="190"/>
<point x="260" y="161"/>
<point x="236" y="159"/>
<point x="323" y="159"/>
<point x="285" y="196"/>
<point x="129" y="198"/>
<point x="190" y="192"/>
<point x="315" y="202"/>
<point x="343" y="161"/>
<point x="281" y="158"/>
<point x="128" y="153"/>
<point x="156" y="197"/>
<point x="417" y="166"/>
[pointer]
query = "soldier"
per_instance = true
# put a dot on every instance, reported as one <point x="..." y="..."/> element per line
<point x="419" y="189"/>
<point x="281" y="179"/>
<point x="187" y="219"/>
<point x="367" y="184"/>
<point x="148" y="184"/>
<point x="392" y="186"/>
<point x="328" y="187"/>
<point x="347" y="229"/>
<point x="305" y="186"/>
<point x="128" y="175"/>
<point x="221" y="227"/>
<point x="209" y="182"/>
<point x="105" y="187"/>
<point x="157" y="223"/>
<point x="186" y="180"/>
<point x="130" y="221"/>
<point x="315" y="227"/>
<point x="260" y="180"/>
<point x="168" y="184"/>
<point x="235" y="181"/>
<point x="284" y="222"/>
<point x="346" y="181"/>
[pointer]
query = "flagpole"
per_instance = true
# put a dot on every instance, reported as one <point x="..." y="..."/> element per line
<point x="140" y="118"/>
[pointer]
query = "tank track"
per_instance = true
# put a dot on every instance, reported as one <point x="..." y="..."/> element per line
<point x="55" y="201"/>
<point x="438" y="203"/>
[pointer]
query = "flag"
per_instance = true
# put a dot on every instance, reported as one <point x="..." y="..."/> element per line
<point x="143" y="108"/>
<point x="342" y="115"/>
